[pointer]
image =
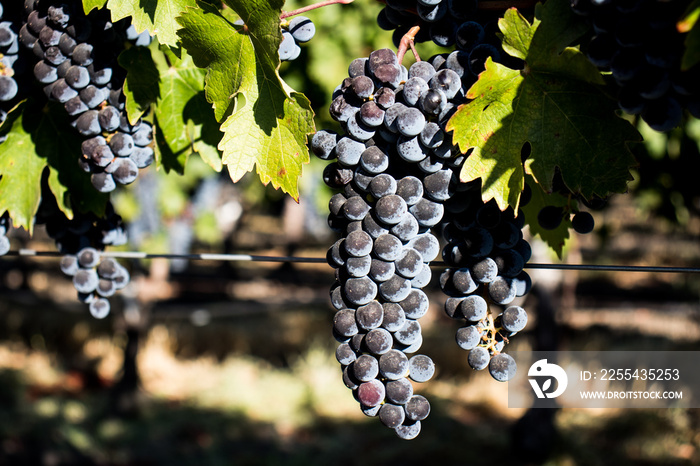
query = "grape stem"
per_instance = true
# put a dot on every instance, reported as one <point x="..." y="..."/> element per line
<point x="407" y="41"/>
<point x="301" y="10"/>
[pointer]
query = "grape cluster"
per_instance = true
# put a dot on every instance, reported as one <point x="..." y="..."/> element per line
<point x="95" y="278"/>
<point x="445" y="22"/>
<point x="81" y="239"/>
<point x="11" y="63"/>
<point x="77" y="67"/>
<point x="396" y="171"/>
<point x="486" y="253"/>
<point x="4" y="228"/>
<point x="83" y="230"/>
<point x="298" y="30"/>
<point x="118" y="157"/>
<point x="637" y="41"/>
<point x="390" y="170"/>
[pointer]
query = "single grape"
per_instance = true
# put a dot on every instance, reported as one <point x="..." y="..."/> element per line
<point x="302" y="29"/>
<point x="478" y="358"/>
<point x="583" y="222"/>
<point x="99" y="308"/>
<point x="372" y="392"/>
<point x="468" y="337"/>
<point x="514" y="319"/>
<point x="417" y="408"/>
<point x="421" y="368"/>
<point x="399" y="391"/>
<point x="408" y="431"/>
<point x="550" y="217"/>
<point x="502" y="367"/>
<point x="392" y="415"/>
<point x="409" y="333"/>
<point x="473" y="308"/>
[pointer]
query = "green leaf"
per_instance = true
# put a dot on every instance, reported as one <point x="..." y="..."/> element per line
<point x="89" y="5"/>
<point x="268" y="121"/>
<point x="39" y="139"/>
<point x="556" y="239"/>
<point x="691" y="25"/>
<point x="57" y="142"/>
<point x="156" y="16"/>
<point x="216" y="45"/>
<point x="20" y="172"/>
<point x="141" y="83"/>
<point x="517" y="33"/>
<point x="555" y="104"/>
<point x="185" y="121"/>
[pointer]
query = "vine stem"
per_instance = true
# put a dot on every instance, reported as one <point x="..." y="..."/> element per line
<point x="407" y="41"/>
<point x="304" y="9"/>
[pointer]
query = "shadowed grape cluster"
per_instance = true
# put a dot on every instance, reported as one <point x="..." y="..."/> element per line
<point x="486" y="254"/>
<point x="448" y="23"/>
<point x="82" y="239"/>
<point x="638" y="43"/>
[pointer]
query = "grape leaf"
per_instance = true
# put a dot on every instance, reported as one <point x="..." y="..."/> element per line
<point x="141" y="83"/>
<point x="37" y="139"/>
<point x="20" y="172"/>
<point x="267" y="121"/>
<point x="555" y="104"/>
<point x="60" y="145"/>
<point x="156" y="16"/>
<point x="89" y="5"/>
<point x="557" y="238"/>
<point x="690" y="24"/>
<point x="185" y="121"/>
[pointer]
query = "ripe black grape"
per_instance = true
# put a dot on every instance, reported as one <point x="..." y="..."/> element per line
<point x="637" y="43"/>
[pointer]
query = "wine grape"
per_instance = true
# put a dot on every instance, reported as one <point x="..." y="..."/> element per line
<point x="637" y="43"/>
<point x="77" y="65"/>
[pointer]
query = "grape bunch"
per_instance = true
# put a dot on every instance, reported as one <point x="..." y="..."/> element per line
<point x="486" y="254"/>
<point x="4" y="229"/>
<point x="447" y="23"/>
<point x="81" y="239"/>
<point x="637" y="41"/>
<point x="76" y="66"/>
<point x="95" y="278"/>
<point x="396" y="171"/>
<point x="385" y="212"/>
<point x="11" y="63"/>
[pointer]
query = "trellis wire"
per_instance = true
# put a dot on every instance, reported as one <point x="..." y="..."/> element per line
<point x="322" y="260"/>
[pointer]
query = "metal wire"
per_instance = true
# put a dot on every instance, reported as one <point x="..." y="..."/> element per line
<point x="322" y="260"/>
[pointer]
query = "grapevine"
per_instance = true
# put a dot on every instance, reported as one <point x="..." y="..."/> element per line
<point x="520" y="122"/>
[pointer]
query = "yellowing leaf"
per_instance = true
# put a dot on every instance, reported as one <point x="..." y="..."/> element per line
<point x="555" y="105"/>
<point x="265" y="122"/>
